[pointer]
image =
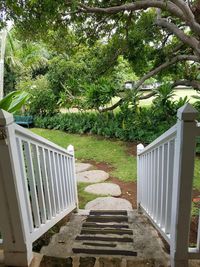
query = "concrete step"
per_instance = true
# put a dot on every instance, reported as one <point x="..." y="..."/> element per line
<point x="88" y="261"/>
<point x="106" y="239"/>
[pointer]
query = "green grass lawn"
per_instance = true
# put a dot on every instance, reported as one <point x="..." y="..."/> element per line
<point x="98" y="149"/>
<point x="102" y="150"/>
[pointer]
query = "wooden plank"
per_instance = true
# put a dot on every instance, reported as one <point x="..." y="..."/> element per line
<point x="105" y="238"/>
<point x="25" y="184"/>
<point x="51" y="182"/>
<point x="96" y="225"/>
<point x="43" y="166"/>
<point x="104" y="251"/>
<point x="99" y="244"/>
<point x="39" y="183"/>
<point x="88" y="231"/>
<point x="107" y="219"/>
<point x="55" y="181"/>
<point x="108" y="212"/>
<point x="31" y="181"/>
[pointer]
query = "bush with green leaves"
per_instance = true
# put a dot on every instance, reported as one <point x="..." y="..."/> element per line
<point x="128" y="125"/>
<point x="99" y="93"/>
<point x="43" y="102"/>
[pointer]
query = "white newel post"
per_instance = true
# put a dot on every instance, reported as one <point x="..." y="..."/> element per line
<point x="182" y="185"/>
<point x="13" y="219"/>
<point x="140" y="147"/>
<point x="70" y="149"/>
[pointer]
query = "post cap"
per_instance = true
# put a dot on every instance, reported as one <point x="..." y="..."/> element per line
<point x="6" y="118"/>
<point x="187" y="113"/>
<point x="140" y="147"/>
<point x="70" y="149"/>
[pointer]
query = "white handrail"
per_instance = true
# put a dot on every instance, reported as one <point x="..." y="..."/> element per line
<point x="34" y="137"/>
<point x="165" y="175"/>
<point x="40" y="177"/>
<point x="169" y="134"/>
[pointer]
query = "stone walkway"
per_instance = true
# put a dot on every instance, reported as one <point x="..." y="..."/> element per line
<point x="85" y="173"/>
<point x="106" y="239"/>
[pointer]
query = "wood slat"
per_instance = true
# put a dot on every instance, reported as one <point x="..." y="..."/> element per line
<point x="104" y="251"/>
<point x="105" y="238"/>
<point x="107" y="219"/>
<point x="106" y="231"/>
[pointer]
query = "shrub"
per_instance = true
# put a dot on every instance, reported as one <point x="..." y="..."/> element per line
<point x="42" y="102"/>
<point x="143" y="126"/>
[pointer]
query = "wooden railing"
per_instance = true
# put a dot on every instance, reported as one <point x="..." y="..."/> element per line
<point x="37" y="188"/>
<point x="165" y="184"/>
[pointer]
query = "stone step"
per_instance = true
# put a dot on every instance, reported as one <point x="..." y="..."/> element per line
<point x="81" y="167"/>
<point x="93" y="176"/>
<point x="87" y="261"/>
<point x="104" y="225"/>
<point x="110" y="189"/>
<point x="96" y="251"/>
<point x="109" y="203"/>
<point x="96" y="244"/>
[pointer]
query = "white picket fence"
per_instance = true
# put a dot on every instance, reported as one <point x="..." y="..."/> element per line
<point x="165" y="182"/>
<point x="37" y="188"/>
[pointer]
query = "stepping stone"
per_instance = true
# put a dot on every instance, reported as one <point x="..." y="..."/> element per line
<point x="82" y="167"/>
<point x="94" y="176"/>
<point x="108" y="203"/>
<point x="104" y="189"/>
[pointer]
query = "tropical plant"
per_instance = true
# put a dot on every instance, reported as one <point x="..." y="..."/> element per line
<point x="163" y="103"/>
<point x="14" y="101"/>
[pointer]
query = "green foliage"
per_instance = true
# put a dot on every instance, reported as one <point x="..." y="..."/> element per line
<point x="123" y="72"/>
<point x="67" y="73"/>
<point x="128" y="125"/>
<point x="43" y="102"/>
<point x="197" y="103"/>
<point x="99" y="93"/>
<point x="163" y="105"/>
<point x="14" y="101"/>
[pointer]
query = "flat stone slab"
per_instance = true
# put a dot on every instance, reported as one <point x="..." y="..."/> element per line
<point x="93" y="176"/>
<point x="108" y="203"/>
<point x="104" y="189"/>
<point x="82" y="167"/>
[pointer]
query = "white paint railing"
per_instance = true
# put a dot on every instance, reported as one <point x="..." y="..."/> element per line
<point x="156" y="164"/>
<point x="165" y="182"/>
<point x="37" y="188"/>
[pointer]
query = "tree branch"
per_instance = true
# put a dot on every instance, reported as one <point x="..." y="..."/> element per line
<point x="166" y="65"/>
<point x="112" y="107"/>
<point x="195" y="84"/>
<point x="143" y="4"/>
<point x="188" y="40"/>
<point x="147" y="96"/>
<point x="189" y="16"/>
